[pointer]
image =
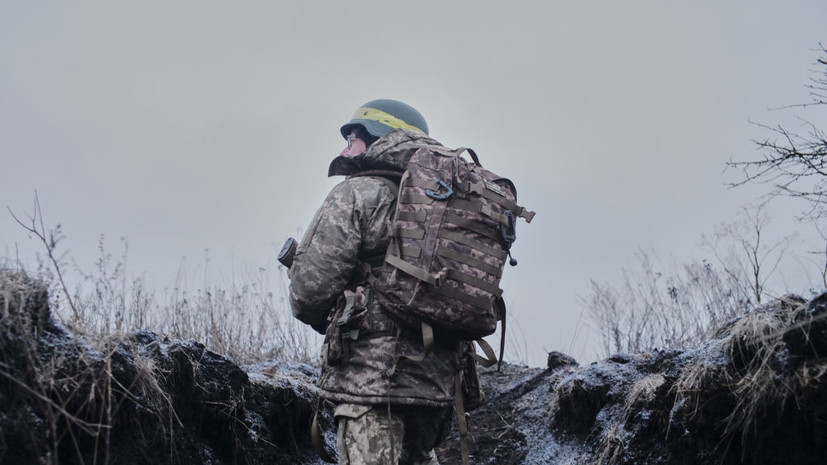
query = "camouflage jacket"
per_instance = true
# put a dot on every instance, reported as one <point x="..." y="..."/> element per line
<point x="370" y="359"/>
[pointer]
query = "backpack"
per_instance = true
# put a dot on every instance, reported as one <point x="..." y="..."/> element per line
<point x="449" y="239"/>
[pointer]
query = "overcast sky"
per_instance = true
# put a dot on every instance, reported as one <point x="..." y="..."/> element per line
<point x="186" y="126"/>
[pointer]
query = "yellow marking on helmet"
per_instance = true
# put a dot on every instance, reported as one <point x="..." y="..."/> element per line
<point x="385" y="118"/>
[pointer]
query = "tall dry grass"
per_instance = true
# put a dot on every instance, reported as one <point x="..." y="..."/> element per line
<point x="248" y="321"/>
<point x="664" y="309"/>
<point x="62" y="400"/>
<point x="71" y="413"/>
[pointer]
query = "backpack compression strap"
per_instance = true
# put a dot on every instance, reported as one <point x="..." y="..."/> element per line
<point x="392" y="180"/>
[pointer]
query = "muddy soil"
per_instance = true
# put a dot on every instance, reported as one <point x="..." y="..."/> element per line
<point x="756" y="393"/>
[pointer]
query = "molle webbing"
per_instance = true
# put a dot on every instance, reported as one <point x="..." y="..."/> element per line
<point x="409" y="233"/>
<point x="450" y="237"/>
<point x="409" y="199"/>
<point x="472" y="225"/>
<point x="410" y="251"/>
<point x="470" y="261"/>
<point x="453" y="293"/>
<point x="500" y="200"/>
<point x="474" y="281"/>
<point x="418" y="217"/>
<point x="464" y="240"/>
<point x="461" y="222"/>
<point x="478" y="207"/>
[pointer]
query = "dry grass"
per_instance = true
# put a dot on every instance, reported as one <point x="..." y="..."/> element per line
<point x="652" y="309"/>
<point x="808" y="376"/>
<point x="758" y="380"/>
<point x="58" y="398"/>
<point x="642" y="392"/>
<point x="690" y="385"/>
<point x="611" y="446"/>
<point x="68" y="392"/>
<point x="247" y="322"/>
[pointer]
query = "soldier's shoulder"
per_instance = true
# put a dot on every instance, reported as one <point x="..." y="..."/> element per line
<point x="368" y="186"/>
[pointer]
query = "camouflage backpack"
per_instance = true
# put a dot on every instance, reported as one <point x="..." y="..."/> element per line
<point x="450" y="236"/>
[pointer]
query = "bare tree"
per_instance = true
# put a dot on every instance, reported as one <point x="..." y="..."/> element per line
<point x="683" y="304"/>
<point x="745" y="253"/>
<point x="795" y="163"/>
<point x="674" y="305"/>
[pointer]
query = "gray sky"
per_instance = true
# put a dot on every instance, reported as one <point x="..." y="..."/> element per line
<point x="192" y="125"/>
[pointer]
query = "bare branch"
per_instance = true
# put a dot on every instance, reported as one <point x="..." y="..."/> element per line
<point x="37" y="228"/>
<point x="794" y="164"/>
<point x="89" y="428"/>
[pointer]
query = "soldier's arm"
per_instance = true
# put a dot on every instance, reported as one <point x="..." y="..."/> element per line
<point x="328" y="254"/>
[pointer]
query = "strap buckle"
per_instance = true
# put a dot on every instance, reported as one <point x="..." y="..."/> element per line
<point x="437" y="196"/>
<point x="353" y="313"/>
<point x="509" y="232"/>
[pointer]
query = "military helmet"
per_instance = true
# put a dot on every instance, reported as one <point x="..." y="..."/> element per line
<point x="380" y="117"/>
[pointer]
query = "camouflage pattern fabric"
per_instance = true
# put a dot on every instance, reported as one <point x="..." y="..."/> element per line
<point x="451" y="222"/>
<point x="364" y="434"/>
<point x="370" y="360"/>
<point x="351" y="223"/>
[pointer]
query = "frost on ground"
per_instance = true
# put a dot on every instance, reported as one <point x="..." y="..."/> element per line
<point x="755" y="393"/>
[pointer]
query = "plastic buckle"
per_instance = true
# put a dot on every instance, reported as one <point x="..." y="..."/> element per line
<point x="434" y="195"/>
<point x="509" y="232"/>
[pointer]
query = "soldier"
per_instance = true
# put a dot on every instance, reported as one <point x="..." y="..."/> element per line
<point x="393" y="405"/>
